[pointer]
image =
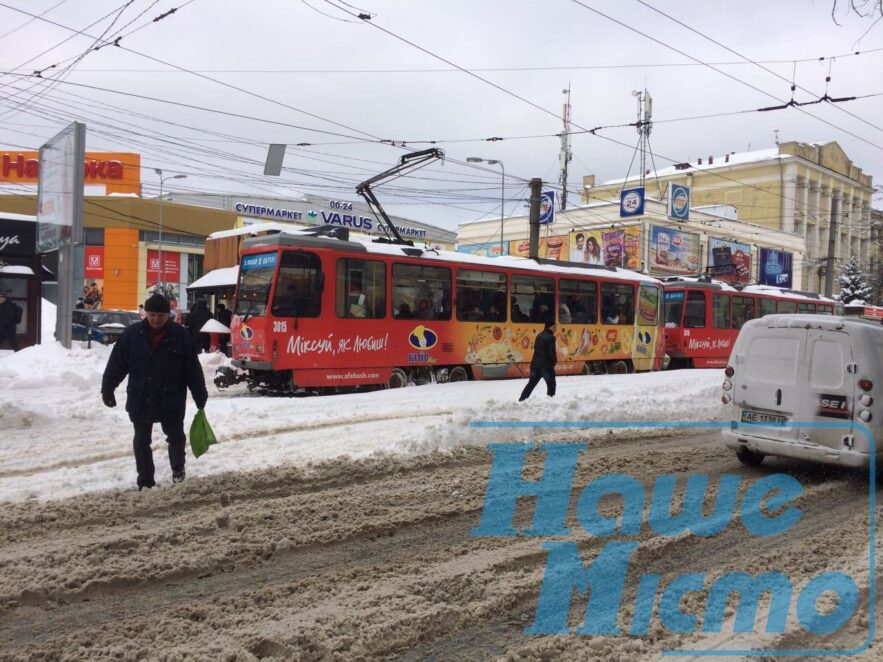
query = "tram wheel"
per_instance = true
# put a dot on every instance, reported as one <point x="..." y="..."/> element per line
<point x="458" y="374"/>
<point x="618" y="368"/>
<point x="749" y="458"/>
<point x="398" y="379"/>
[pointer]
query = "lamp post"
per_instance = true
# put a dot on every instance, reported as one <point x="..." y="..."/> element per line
<point x="475" y="159"/>
<point x="161" y="280"/>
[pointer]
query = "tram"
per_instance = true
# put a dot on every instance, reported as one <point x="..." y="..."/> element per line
<point x="315" y="309"/>
<point x="702" y="317"/>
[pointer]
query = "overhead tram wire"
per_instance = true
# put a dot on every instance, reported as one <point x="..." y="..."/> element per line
<point x="549" y="112"/>
<point x="29" y="21"/>
<point x="723" y="73"/>
<point x="757" y="64"/>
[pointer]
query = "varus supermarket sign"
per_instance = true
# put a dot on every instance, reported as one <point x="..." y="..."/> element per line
<point x="117" y="172"/>
<point x="337" y="213"/>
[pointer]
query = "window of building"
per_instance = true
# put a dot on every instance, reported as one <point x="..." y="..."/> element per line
<point x="694" y="311"/>
<point x="481" y="296"/>
<point x="577" y="299"/>
<point x="93" y="236"/>
<point x="360" y="289"/>
<point x="743" y="310"/>
<point x="298" y="286"/>
<point x="617" y="303"/>
<point x="421" y="292"/>
<point x="533" y="299"/>
<point x="720" y="311"/>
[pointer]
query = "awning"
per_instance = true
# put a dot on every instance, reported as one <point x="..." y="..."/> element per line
<point x="216" y="279"/>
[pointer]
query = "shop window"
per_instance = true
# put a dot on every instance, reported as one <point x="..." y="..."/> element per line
<point x="298" y="286"/>
<point x="533" y="299"/>
<point x="360" y="289"/>
<point x="421" y="292"/>
<point x="617" y="303"/>
<point x="578" y="300"/>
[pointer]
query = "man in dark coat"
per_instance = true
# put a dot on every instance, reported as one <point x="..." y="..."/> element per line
<point x="199" y="315"/>
<point x="542" y="365"/>
<point x="10" y="316"/>
<point x="160" y="359"/>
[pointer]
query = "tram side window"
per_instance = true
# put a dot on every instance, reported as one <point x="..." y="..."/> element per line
<point x="617" y="303"/>
<point x="298" y="286"/>
<point x="766" y="307"/>
<point x="421" y="292"/>
<point x="787" y="307"/>
<point x="481" y="296"/>
<point x="361" y="289"/>
<point x="533" y="299"/>
<point x="581" y="300"/>
<point x="743" y="310"/>
<point x="823" y="309"/>
<point x="806" y="308"/>
<point x="694" y="312"/>
<point x="720" y="311"/>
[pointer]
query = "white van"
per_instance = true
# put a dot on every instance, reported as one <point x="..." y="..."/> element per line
<point x="797" y="385"/>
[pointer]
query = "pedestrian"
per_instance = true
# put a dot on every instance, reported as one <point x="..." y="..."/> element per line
<point x="160" y="360"/>
<point x="225" y="317"/>
<point x="199" y="315"/>
<point x="542" y="365"/>
<point x="10" y="316"/>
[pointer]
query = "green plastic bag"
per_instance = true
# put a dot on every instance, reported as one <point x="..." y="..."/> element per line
<point x="201" y="435"/>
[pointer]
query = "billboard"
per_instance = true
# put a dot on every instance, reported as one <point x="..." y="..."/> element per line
<point x="774" y="268"/>
<point x="60" y="189"/>
<point x="613" y="247"/>
<point x="673" y="251"/>
<point x="631" y="202"/>
<point x="730" y="261"/>
<point x="487" y="249"/>
<point x="117" y="172"/>
<point x="678" y="202"/>
<point x="552" y="248"/>
<point x="547" y="208"/>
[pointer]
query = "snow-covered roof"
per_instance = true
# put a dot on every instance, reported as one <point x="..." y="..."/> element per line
<point x="224" y="277"/>
<point x="16" y="270"/>
<point x="8" y="216"/>
<point x="739" y="158"/>
<point x="786" y="294"/>
<point x="270" y="226"/>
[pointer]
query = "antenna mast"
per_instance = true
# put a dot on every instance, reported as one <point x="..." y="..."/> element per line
<point x="565" y="154"/>
<point x="644" y="125"/>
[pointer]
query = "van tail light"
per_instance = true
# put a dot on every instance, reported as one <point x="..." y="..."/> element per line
<point x="729" y="372"/>
<point x="865" y="415"/>
<point x="865" y="384"/>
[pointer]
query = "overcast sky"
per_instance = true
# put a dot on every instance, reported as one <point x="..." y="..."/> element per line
<point x="318" y="67"/>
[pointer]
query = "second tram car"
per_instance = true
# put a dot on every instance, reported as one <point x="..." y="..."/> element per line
<point x="702" y="317"/>
<point x="320" y="312"/>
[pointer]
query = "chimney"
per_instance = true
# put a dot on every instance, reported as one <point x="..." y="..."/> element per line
<point x="710" y="160"/>
<point x="699" y="162"/>
<point x="727" y="158"/>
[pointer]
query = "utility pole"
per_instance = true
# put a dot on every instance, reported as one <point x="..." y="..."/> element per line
<point x="832" y="242"/>
<point x="644" y="125"/>
<point x="536" y="191"/>
<point x="566" y="155"/>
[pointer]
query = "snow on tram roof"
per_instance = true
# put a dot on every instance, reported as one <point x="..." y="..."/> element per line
<point x="787" y="294"/>
<point x="504" y="261"/>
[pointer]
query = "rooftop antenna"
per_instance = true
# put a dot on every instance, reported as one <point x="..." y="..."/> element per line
<point x="776" y="131"/>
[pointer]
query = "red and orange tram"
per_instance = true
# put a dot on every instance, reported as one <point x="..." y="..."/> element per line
<point x="326" y="312"/>
<point x="702" y="317"/>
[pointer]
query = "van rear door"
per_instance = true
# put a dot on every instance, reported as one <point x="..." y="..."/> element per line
<point x="769" y="380"/>
<point x="831" y="387"/>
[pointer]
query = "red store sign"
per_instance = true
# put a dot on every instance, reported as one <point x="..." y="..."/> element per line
<point x="171" y="271"/>
<point x="94" y="267"/>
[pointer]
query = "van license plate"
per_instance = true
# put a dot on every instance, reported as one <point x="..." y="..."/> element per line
<point x="759" y="417"/>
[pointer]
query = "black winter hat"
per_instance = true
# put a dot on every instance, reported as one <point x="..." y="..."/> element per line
<point x="549" y="323"/>
<point x="157" y="303"/>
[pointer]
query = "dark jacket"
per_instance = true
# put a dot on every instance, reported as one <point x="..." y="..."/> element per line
<point x="158" y="379"/>
<point x="224" y="316"/>
<point x="199" y="315"/>
<point x="544" y="354"/>
<point x="8" y="314"/>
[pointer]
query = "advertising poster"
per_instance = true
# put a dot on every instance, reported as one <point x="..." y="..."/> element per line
<point x="673" y="251"/>
<point x="631" y="202"/>
<point x="487" y="249"/>
<point x="613" y="248"/>
<point x="552" y="248"/>
<point x="774" y="268"/>
<point x="730" y="260"/>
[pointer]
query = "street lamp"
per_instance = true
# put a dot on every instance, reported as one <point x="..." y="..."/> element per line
<point x="161" y="279"/>
<point x="475" y="159"/>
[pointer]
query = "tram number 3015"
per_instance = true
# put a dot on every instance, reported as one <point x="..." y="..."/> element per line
<point x="280" y="326"/>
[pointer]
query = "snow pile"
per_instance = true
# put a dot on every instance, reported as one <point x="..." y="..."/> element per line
<point x="59" y="440"/>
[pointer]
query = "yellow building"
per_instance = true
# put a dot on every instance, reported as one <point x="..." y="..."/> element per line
<point x="795" y="188"/>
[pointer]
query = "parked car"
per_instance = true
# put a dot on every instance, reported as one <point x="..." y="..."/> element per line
<point x="804" y="386"/>
<point x="103" y="326"/>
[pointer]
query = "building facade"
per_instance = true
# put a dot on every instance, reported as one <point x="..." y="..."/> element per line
<point x="811" y="190"/>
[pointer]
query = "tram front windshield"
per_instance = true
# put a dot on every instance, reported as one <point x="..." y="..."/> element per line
<point x="674" y="306"/>
<point x="255" y="277"/>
